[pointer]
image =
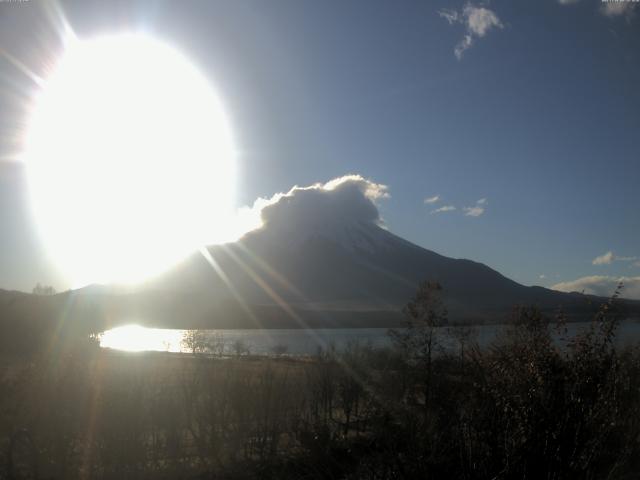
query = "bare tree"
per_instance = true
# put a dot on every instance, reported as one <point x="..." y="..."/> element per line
<point x="424" y="315"/>
<point x="43" y="290"/>
<point x="464" y="336"/>
<point x="195" y="340"/>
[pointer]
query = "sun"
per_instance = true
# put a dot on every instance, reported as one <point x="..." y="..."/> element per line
<point x="130" y="159"/>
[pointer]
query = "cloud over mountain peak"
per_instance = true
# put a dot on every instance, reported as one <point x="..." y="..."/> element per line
<point x="347" y="200"/>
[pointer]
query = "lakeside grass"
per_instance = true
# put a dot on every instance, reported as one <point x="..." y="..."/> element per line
<point x="523" y="407"/>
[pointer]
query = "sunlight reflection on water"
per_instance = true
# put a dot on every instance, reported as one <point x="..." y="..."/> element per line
<point x="135" y="338"/>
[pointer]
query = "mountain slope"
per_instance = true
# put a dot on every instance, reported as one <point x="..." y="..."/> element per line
<point x="356" y="274"/>
<point x="320" y="259"/>
<point x="332" y="275"/>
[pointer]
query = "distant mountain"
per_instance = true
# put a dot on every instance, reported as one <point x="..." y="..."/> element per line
<point x="321" y="273"/>
<point x="336" y="267"/>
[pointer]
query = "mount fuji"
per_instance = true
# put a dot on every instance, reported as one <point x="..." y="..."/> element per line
<point x="322" y="258"/>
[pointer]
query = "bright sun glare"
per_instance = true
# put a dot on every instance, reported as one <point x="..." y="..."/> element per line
<point x="130" y="160"/>
<point x="134" y="338"/>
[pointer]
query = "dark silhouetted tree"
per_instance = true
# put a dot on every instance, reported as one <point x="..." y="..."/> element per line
<point x="424" y="315"/>
<point x="43" y="290"/>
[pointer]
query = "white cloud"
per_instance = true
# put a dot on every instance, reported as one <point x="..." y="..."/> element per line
<point x="350" y="198"/>
<point x="434" y="199"/>
<point x="602" y="285"/>
<point x="371" y="190"/>
<point x="610" y="257"/>
<point x="617" y="9"/>
<point x="612" y="8"/>
<point x="542" y="277"/>
<point x="604" y="259"/>
<point x="450" y="16"/>
<point x="446" y="208"/>
<point x="463" y="45"/>
<point x="476" y="210"/>
<point x="478" y="21"/>
<point x="473" y="211"/>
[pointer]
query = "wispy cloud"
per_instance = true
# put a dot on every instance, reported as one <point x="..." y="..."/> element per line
<point x="604" y="259"/>
<point x="602" y="285"/>
<point x="450" y="16"/>
<point x="446" y="208"/>
<point x="477" y="210"/>
<point x="612" y="8"/>
<point x="473" y="211"/>
<point x="618" y="9"/>
<point x="610" y="257"/>
<point x="478" y="21"/>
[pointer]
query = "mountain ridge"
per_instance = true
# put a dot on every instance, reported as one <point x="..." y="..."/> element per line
<point x="282" y="278"/>
<point x="320" y="259"/>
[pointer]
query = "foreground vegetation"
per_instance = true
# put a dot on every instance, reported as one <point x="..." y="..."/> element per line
<point x="528" y="406"/>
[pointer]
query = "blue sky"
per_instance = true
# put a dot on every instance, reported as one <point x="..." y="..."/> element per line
<point x="539" y="116"/>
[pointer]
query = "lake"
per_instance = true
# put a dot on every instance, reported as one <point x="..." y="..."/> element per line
<point x="291" y="341"/>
